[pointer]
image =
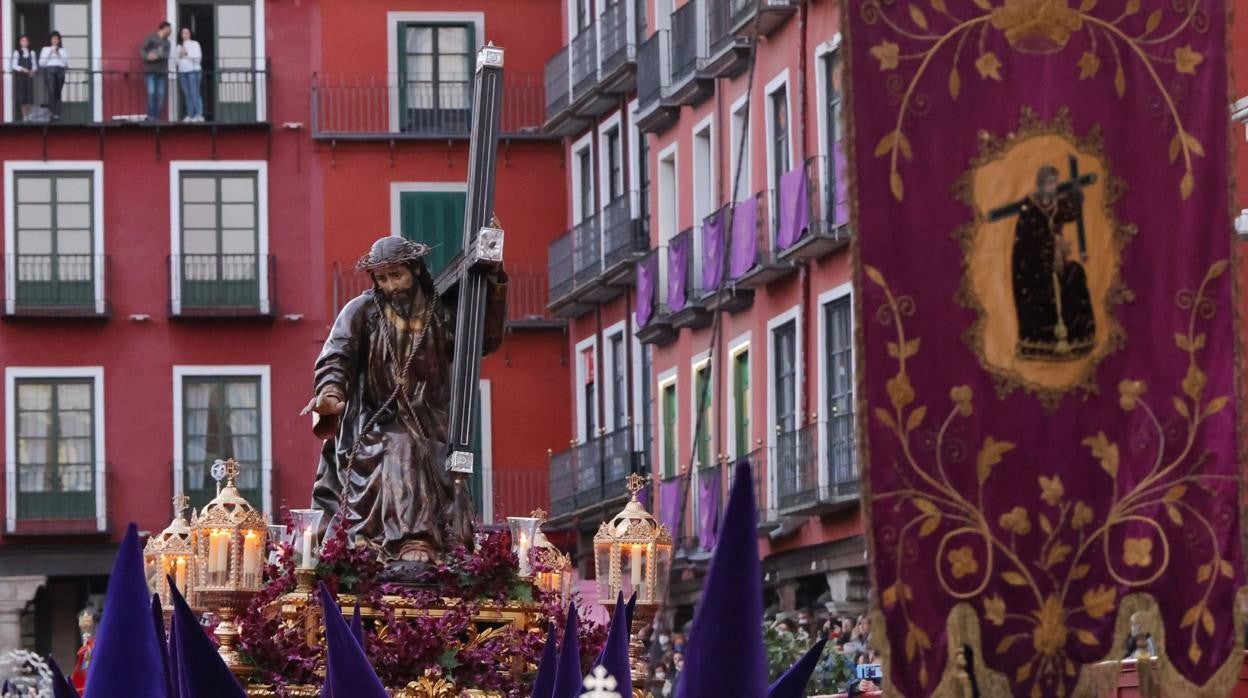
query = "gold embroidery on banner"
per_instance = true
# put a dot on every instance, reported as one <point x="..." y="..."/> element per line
<point x="1032" y="26"/>
<point x="1004" y="171"/>
<point x="975" y="548"/>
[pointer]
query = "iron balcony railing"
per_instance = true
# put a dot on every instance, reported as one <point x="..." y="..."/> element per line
<point x="719" y="23"/>
<point x="686" y="46"/>
<point x="56" y="284"/>
<point x="687" y="292"/>
<point x="619" y="460"/>
<point x="758" y="469"/>
<point x="616" y="36"/>
<point x="589" y="472"/>
<point x="588" y="239"/>
<point x="519" y="490"/>
<point x="561" y="265"/>
<point x="623" y="237"/>
<point x="233" y="91"/>
<point x="197" y="482"/>
<point x="228" y="284"/>
<point x="563" y="482"/>
<point x="584" y="61"/>
<point x="557" y="81"/>
<point x="593" y="472"/>
<point x="797" y="467"/>
<point x="652" y="76"/>
<point x="829" y="210"/>
<point x="396" y="104"/>
<point x="743" y="11"/>
<point x="841" y="462"/>
<point x="47" y="492"/>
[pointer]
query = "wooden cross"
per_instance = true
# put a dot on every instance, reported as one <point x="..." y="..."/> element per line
<point x="483" y="249"/>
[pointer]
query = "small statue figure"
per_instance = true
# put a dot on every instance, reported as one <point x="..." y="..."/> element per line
<point x="86" y="626"/>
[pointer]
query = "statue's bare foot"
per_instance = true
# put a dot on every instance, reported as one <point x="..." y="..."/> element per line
<point x="416" y="551"/>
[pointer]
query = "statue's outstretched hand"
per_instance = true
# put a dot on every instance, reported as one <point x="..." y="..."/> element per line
<point x="325" y="404"/>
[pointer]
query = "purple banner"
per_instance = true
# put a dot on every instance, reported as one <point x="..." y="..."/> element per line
<point x="646" y="498"/>
<point x="646" y="271"/>
<point x="669" y="504"/>
<point x="794" y="207"/>
<point x="708" y="507"/>
<point x="841" y="185"/>
<point x="713" y="249"/>
<point x="677" y="272"/>
<point x="744" y="238"/>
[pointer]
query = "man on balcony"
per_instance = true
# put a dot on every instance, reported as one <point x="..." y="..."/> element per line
<point x="382" y="386"/>
<point x="155" y="54"/>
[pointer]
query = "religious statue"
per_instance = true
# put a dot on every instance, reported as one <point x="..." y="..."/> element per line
<point x="382" y="393"/>
<point x="1051" y="298"/>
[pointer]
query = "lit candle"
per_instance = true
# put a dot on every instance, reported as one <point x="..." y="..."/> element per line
<point x="214" y="543"/>
<point x="223" y="556"/>
<point x="525" y="546"/>
<point x="636" y="567"/>
<point x="179" y="574"/>
<point x="306" y="549"/>
<point x="251" y="559"/>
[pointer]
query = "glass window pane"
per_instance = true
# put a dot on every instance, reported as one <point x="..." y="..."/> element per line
<point x="73" y="216"/>
<point x="34" y="215"/>
<point x="419" y="69"/>
<point x="453" y="68"/>
<point x="234" y="20"/>
<point x="238" y="216"/>
<point x="199" y="189"/>
<point x="73" y="242"/>
<point x="238" y="189"/>
<point x="73" y="396"/>
<point x="34" y="424"/>
<point x="73" y="451"/>
<point x="242" y="394"/>
<point x="234" y="53"/>
<point x="452" y="40"/>
<point x="199" y="215"/>
<point x="75" y="423"/>
<point x="71" y="19"/>
<point x="199" y="242"/>
<point x="241" y="241"/>
<point x="34" y="242"/>
<point x="419" y="40"/>
<point x="34" y="396"/>
<point x="34" y="189"/>
<point x="73" y="189"/>
<point x="32" y="451"/>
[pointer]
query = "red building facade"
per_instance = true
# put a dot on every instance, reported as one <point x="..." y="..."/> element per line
<point x="168" y="285"/>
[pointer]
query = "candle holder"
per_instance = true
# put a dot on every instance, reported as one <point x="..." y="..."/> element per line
<point x="633" y="555"/>
<point x="170" y="555"/>
<point x="229" y="541"/>
<point x="277" y="536"/>
<point x="523" y="535"/>
<point x="305" y="546"/>
<point x="553" y="567"/>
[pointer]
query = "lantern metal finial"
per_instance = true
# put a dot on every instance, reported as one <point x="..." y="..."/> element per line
<point x="635" y="483"/>
<point x="170" y="555"/>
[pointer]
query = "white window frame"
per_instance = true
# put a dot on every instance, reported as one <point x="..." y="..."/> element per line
<point x="665" y="379"/>
<point x="822" y="52"/>
<point x="487" y="451"/>
<point x="12" y="113"/>
<point x="393" y="20"/>
<point x="699" y="179"/>
<point x="638" y="388"/>
<point x="177" y="168"/>
<point x="697" y="363"/>
<point x="261" y="371"/>
<point x="737" y="133"/>
<point x="14" y="167"/>
<point x="260" y="59"/>
<point x="578" y="390"/>
<point x="615" y="121"/>
<point x="608" y="372"/>
<point x="11" y="376"/>
<point x="739" y="344"/>
<point x="398" y="189"/>
<point x="581" y="145"/>
<point x="634" y="160"/>
<point x="776" y="83"/>
<point x="845" y="290"/>
<point x="791" y="314"/>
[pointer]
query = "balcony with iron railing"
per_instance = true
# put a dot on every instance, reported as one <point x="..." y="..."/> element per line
<point x="840" y="456"/>
<point x="685" y="296"/>
<point x="517" y="491"/>
<point x="758" y="470"/>
<point x="584" y="63"/>
<point x="821" y="219"/>
<point x="728" y="50"/>
<point x="752" y="237"/>
<point x="763" y="16"/>
<point x="56" y="286"/>
<point x="398" y="106"/>
<point x="688" y="85"/>
<point x="58" y="499"/>
<point x="222" y="286"/>
<point x="591" y="475"/>
<point x="654" y="113"/>
<point x="624" y="238"/>
<point x="617" y="48"/>
<point x="797" y="468"/>
<point x="111" y="92"/>
<point x="557" y="79"/>
<point x="591" y="263"/>
<point x="815" y="467"/>
<point x="654" y="322"/>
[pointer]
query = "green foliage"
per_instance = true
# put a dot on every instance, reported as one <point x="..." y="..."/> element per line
<point x="784" y="648"/>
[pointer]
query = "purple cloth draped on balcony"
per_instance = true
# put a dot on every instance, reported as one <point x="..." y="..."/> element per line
<point x="842" y="185"/>
<point x="677" y="272"/>
<point x="646" y="271"/>
<point x="713" y="249"/>
<point x="669" y="504"/>
<point x="794" y="207"/>
<point x="709" y="489"/>
<point x="645" y="497"/>
<point x="744" y="237"/>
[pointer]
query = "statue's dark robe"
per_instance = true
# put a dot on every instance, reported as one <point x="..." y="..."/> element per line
<point x="398" y="489"/>
<point x="1039" y="284"/>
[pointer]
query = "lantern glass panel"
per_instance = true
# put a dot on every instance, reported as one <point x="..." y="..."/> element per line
<point x="306" y="524"/>
<point x="523" y="535"/>
<point x="602" y="565"/>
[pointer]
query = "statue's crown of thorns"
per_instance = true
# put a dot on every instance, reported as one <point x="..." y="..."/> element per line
<point x="392" y="250"/>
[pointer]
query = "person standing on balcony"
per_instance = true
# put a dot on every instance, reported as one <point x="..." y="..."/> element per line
<point x="23" y="65"/>
<point x="190" y="76"/>
<point x="53" y="60"/>
<point x="155" y="53"/>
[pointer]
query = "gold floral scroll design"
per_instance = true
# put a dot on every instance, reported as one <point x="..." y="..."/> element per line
<point x="1031" y="26"/>
<point x="1111" y="336"/>
<point x="977" y="548"/>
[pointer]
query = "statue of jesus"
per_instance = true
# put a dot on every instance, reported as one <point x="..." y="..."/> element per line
<point x="381" y="399"/>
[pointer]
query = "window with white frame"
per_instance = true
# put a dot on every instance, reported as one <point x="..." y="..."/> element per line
<point x="583" y="158"/>
<point x="778" y="135"/>
<point x="740" y="155"/>
<point x="222" y="412"/>
<point x="54" y="236"/>
<point x="839" y="393"/>
<point x="830" y="67"/>
<point x="704" y="417"/>
<point x="741" y="405"/>
<point x="703" y="173"/>
<point x="55" y="432"/>
<point x="668" y="193"/>
<point x="435" y="73"/>
<point x="614" y="185"/>
<point x="619" y="380"/>
<point x="667" y="399"/>
<point x="219" y="238"/>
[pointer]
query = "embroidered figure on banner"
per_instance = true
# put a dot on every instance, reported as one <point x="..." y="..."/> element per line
<point x="1042" y="257"/>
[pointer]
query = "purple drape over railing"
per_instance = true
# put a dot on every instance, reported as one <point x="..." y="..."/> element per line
<point x="669" y="504"/>
<point x="794" y="213"/>
<point x="708" y="507"/>
<point x="713" y="249"/>
<point x="841" y="202"/>
<point x="647" y="270"/>
<point x="677" y="272"/>
<point x="645" y="497"/>
<point x="744" y="237"/>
